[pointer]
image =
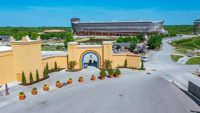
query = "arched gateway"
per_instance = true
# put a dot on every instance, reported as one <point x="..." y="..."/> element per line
<point x="90" y="58"/>
<point x="94" y="55"/>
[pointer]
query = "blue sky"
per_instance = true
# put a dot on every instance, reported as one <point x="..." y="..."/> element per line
<point x="59" y="12"/>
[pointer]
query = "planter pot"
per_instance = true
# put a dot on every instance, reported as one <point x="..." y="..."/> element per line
<point x="22" y="97"/>
<point x="46" y="88"/>
<point x="69" y="82"/>
<point x="58" y="85"/>
<point x="81" y="80"/>
<point x="93" y="78"/>
<point x="102" y="78"/>
<point x="117" y="76"/>
<point x="110" y="76"/>
<point x="34" y="92"/>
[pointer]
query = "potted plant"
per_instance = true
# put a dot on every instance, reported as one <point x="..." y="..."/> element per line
<point x="22" y="96"/>
<point x="46" y="87"/>
<point x="58" y="84"/>
<point x="117" y="73"/>
<point x="111" y="73"/>
<point x="70" y="81"/>
<point x="93" y="78"/>
<point x="102" y="74"/>
<point x="81" y="79"/>
<point x="34" y="91"/>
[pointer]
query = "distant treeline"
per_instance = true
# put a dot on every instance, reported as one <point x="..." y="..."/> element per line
<point x="179" y="29"/>
<point x="19" y="32"/>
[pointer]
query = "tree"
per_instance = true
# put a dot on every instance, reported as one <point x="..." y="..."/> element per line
<point x="107" y="64"/>
<point x="69" y="38"/>
<point x="55" y="66"/>
<point x="133" y="42"/>
<point x="45" y="73"/>
<point x="37" y="75"/>
<point x="125" y="63"/>
<point x="72" y="65"/>
<point x="31" y="77"/>
<point x="120" y="40"/>
<point x="23" y="78"/>
<point x="142" y="66"/>
<point x="155" y="42"/>
<point x="47" y="68"/>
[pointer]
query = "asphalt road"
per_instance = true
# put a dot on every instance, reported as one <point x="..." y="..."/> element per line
<point x="134" y="92"/>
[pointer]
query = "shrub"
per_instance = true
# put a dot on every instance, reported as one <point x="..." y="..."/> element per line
<point x="21" y="93"/>
<point x="107" y="64"/>
<point x="111" y="71"/>
<point x="34" y="89"/>
<point x="117" y="72"/>
<point x="55" y="66"/>
<point x="125" y="63"/>
<point x="72" y="65"/>
<point x="37" y="75"/>
<point x="103" y="73"/>
<point x="23" y="78"/>
<point x="31" y="78"/>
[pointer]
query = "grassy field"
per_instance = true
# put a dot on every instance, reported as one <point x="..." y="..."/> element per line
<point x="194" y="60"/>
<point x="175" y="58"/>
<point x="179" y="29"/>
<point x="186" y="44"/>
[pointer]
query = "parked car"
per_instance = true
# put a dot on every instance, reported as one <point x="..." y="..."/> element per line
<point x="145" y="58"/>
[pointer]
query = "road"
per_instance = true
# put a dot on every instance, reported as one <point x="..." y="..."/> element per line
<point x="161" y="61"/>
<point x="134" y="92"/>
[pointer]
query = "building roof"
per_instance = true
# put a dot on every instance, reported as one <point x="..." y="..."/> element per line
<point x="139" y="21"/>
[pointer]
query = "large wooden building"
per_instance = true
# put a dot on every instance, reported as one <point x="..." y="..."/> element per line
<point x="115" y="28"/>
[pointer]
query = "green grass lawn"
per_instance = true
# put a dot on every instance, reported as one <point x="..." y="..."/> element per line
<point x="182" y="46"/>
<point x="195" y="60"/>
<point x="175" y="58"/>
<point x="193" y="43"/>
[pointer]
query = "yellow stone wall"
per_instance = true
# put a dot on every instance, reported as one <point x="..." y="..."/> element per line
<point x="133" y="61"/>
<point x="27" y="58"/>
<point x="118" y="60"/>
<point x="6" y="67"/>
<point x="60" y="60"/>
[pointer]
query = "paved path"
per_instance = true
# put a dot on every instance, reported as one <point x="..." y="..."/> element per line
<point x="183" y="60"/>
<point x="134" y="92"/>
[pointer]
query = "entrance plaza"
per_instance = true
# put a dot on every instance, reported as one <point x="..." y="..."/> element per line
<point x="135" y="91"/>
